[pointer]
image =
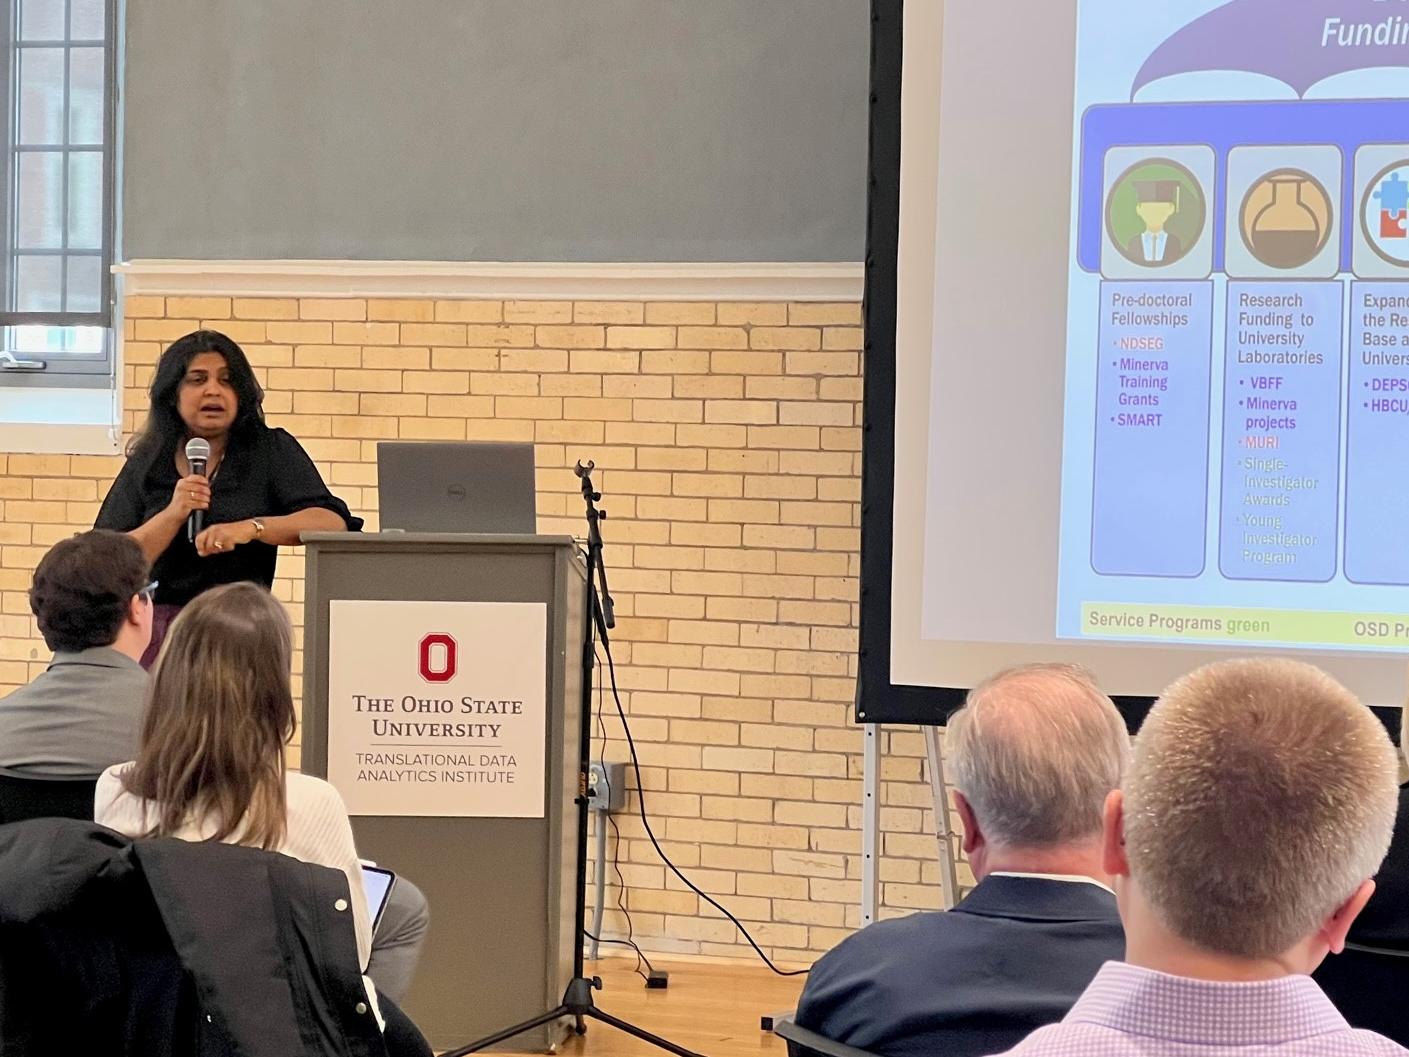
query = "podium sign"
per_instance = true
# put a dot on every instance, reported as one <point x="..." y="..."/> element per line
<point x="437" y="709"/>
<point x="442" y="696"/>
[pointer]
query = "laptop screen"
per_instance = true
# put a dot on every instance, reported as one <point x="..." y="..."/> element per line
<point x="428" y="486"/>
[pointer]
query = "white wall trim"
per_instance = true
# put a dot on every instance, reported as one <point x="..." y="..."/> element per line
<point x="496" y="281"/>
<point x="43" y="438"/>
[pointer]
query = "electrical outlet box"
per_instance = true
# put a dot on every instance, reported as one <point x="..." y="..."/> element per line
<point x="606" y="786"/>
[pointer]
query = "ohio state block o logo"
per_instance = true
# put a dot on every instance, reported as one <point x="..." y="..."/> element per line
<point x="439" y="666"/>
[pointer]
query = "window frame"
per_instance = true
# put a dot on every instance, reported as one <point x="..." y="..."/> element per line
<point x="21" y="366"/>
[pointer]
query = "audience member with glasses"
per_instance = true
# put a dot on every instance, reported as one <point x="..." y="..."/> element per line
<point x="92" y="595"/>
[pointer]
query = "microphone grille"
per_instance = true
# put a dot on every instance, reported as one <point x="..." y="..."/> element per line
<point x="197" y="448"/>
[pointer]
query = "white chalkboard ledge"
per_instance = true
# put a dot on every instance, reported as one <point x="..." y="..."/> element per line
<point x="820" y="282"/>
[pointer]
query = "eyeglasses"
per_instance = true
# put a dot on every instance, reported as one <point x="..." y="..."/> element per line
<point x="150" y="591"/>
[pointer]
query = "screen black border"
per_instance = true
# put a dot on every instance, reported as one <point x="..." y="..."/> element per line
<point x="878" y="699"/>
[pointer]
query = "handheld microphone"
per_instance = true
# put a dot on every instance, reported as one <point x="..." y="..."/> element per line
<point x="198" y="455"/>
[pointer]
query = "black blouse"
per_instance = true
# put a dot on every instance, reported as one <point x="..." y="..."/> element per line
<point x="267" y="474"/>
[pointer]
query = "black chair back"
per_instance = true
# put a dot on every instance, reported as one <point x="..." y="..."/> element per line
<point x="804" y="1043"/>
<point x="1368" y="985"/>
<point x="22" y="799"/>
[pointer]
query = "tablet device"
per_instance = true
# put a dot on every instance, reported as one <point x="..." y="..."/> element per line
<point x="378" y="883"/>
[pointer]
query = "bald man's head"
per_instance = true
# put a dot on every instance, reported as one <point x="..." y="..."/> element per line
<point x="1035" y="751"/>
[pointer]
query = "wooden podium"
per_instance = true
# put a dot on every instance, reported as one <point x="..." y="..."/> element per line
<point x="423" y="717"/>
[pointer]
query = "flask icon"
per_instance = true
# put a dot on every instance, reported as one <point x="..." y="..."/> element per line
<point x="1286" y="219"/>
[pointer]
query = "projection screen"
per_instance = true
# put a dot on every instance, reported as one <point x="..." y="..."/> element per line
<point x="1137" y="363"/>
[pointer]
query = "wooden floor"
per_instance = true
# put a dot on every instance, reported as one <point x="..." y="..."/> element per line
<point x="711" y="1009"/>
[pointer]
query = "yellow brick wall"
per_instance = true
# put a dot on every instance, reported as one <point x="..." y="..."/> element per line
<point x="728" y="443"/>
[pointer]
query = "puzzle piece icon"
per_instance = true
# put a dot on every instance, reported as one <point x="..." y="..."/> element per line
<point x="1393" y="225"/>
<point x="1393" y="194"/>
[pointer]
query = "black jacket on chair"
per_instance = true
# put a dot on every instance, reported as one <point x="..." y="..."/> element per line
<point x="166" y="947"/>
<point x="1015" y="954"/>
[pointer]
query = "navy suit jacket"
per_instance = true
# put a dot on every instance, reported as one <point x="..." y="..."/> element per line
<point x="1014" y="955"/>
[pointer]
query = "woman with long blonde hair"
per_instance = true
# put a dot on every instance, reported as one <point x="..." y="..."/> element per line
<point x="219" y="716"/>
<point x="210" y="762"/>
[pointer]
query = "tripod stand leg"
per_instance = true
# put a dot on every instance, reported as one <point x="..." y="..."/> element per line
<point x="509" y="1033"/>
<point x="577" y="1000"/>
<point x="640" y="1033"/>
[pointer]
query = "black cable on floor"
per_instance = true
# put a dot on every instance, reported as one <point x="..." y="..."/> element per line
<point x="645" y="821"/>
<point x="620" y="943"/>
<point x="630" y="940"/>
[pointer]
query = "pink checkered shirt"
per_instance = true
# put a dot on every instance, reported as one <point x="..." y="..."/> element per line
<point x="1132" y="1012"/>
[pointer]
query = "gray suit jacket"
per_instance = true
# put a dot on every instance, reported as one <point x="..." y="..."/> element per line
<point x="76" y="719"/>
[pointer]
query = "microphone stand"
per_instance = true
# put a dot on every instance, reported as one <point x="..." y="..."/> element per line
<point x="601" y="618"/>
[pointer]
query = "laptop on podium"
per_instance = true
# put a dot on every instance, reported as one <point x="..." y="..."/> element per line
<point x="433" y="486"/>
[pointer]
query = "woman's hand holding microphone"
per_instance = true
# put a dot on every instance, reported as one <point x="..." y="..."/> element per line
<point x="192" y="493"/>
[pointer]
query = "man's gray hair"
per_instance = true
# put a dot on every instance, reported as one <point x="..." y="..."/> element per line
<point x="1035" y="750"/>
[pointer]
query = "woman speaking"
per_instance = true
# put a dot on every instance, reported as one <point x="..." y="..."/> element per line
<point x="259" y="490"/>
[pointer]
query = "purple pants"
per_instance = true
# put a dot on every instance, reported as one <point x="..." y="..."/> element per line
<point x="162" y="617"/>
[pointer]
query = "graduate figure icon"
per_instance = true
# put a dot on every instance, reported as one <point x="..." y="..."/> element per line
<point x="1157" y="202"/>
<point x="1155" y="213"/>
